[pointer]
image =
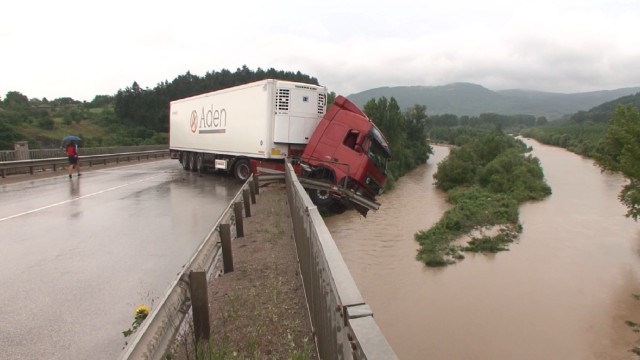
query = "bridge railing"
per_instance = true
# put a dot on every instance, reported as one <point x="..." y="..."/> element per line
<point x="33" y="165"/>
<point x="342" y="321"/>
<point x="52" y="163"/>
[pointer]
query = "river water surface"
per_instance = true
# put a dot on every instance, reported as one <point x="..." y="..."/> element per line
<point x="563" y="291"/>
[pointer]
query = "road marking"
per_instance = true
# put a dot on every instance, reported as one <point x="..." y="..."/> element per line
<point x="77" y="198"/>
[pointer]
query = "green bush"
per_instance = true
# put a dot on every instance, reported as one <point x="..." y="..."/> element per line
<point x="486" y="179"/>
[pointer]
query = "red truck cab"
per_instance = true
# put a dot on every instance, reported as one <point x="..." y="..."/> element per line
<point x="348" y="150"/>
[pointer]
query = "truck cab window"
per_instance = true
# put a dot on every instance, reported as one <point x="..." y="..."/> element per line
<point x="351" y="139"/>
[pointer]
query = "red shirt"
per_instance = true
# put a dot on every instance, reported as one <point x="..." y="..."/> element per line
<point x="72" y="150"/>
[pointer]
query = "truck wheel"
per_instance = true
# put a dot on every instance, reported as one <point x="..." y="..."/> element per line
<point x="184" y="160"/>
<point x="321" y="198"/>
<point x="242" y="170"/>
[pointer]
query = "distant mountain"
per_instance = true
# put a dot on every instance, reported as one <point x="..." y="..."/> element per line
<point x="472" y="99"/>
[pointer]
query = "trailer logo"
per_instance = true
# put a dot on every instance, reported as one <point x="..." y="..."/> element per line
<point x="194" y="121"/>
<point x="212" y="121"/>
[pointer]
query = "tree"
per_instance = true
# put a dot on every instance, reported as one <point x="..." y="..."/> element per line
<point x="8" y="136"/>
<point x="406" y="134"/>
<point x="16" y="101"/>
<point x="416" y="123"/>
<point x="621" y="151"/>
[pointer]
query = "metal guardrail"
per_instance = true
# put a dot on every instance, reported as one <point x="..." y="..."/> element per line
<point x="155" y="337"/>
<point x="32" y="165"/>
<point x="342" y="321"/>
<point x="15" y="155"/>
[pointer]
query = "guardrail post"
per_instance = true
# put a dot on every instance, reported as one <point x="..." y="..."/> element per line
<point x="252" y="189"/>
<point x="237" y="207"/>
<point x="227" y="254"/>
<point x="200" y="304"/>
<point x="247" y="204"/>
<point x="256" y="180"/>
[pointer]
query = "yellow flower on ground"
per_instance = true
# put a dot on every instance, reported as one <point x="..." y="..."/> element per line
<point x="142" y="310"/>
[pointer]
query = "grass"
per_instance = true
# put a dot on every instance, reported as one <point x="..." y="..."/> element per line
<point x="84" y="129"/>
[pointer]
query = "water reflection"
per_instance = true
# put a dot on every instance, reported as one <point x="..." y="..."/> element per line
<point x="74" y="188"/>
<point x="563" y="291"/>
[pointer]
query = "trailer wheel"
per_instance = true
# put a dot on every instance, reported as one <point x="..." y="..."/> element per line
<point x="192" y="161"/>
<point x="184" y="160"/>
<point x="242" y="170"/>
<point x="199" y="163"/>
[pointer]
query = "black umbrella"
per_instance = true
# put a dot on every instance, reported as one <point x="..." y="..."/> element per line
<point x="69" y="138"/>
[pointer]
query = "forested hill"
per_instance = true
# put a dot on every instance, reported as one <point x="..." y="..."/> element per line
<point x="602" y="113"/>
<point x="472" y="99"/>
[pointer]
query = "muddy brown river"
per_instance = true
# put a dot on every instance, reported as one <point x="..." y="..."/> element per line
<point x="563" y="291"/>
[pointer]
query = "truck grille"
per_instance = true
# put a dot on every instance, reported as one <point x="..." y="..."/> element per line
<point x="374" y="187"/>
<point x="282" y="100"/>
<point x="322" y="103"/>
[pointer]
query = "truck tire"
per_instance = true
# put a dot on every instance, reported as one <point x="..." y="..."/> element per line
<point x="184" y="160"/>
<point x="322" y="198"/>
<point x="242" y="170"/>
<point x="338" y="207"/>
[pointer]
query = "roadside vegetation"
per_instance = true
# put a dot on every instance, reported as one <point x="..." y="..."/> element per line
<point x="486" y="179"/>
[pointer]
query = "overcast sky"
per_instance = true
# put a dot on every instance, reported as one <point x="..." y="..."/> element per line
<point x="80" y="49"/>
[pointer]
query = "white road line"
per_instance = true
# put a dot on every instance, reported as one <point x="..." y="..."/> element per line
<point x="78" y="198"/>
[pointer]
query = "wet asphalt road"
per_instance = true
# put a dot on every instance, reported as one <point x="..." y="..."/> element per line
<point x="78" y="256"/>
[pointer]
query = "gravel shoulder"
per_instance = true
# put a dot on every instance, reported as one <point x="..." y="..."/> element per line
<point x="259" y="310"/>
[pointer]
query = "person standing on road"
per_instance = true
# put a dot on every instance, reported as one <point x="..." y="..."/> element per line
<point x="72" y="154"/>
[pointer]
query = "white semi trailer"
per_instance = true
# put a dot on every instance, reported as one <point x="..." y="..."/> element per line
<point x="226" y="129"/>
